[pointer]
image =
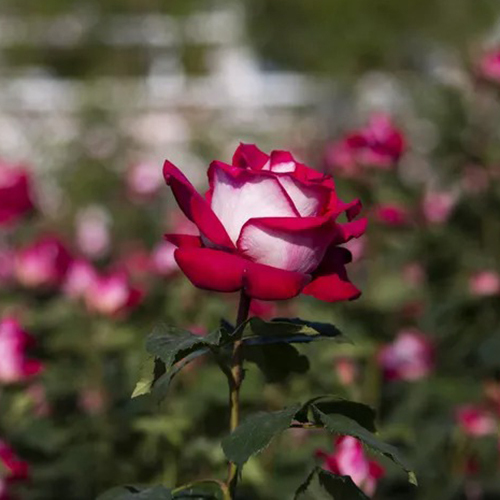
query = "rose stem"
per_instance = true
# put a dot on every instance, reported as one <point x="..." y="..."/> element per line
<point x="235" y="384"/>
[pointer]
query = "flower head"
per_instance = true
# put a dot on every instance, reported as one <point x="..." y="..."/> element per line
<point x="15" y="366"/>
<point x="16" y="198"/>
<point x="268" y="225"/>
<point x="349" y="459"/>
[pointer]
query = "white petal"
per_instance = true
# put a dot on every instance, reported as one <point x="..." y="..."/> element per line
<point x="301" y="251"/>
<point x="308" y="201"/>
<point x="235" y="201"/>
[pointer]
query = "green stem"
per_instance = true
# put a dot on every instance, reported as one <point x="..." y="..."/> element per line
<point x="234" y="387"/>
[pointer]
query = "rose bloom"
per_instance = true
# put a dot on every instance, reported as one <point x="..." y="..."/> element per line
<point x="484" y="283"/>
<point x="144" y="180"/>
<point x="488" y="66"/>
<point x="349" y="459"/>
<point x="43" y="263"/>
<point x="112" y="294"/>
<point x="437" y="206"/>
<point x="475" y="421"/>
<point x="409" y="357"/>
<point x="15" y="193"/>
<point x="92" y="232"/>
<point x="379" y="145"/>
<point x="80" y="276"/>
<point x="392" y="214"/>
<point x="15" y="366"/>
<point x="268" y="225"/>
<point x="163" y="260"/>
<point x="13" y="470"/>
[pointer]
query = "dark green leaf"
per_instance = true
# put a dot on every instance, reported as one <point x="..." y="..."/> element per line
<point x="171" y="344"/>
<point x="152" y="369"/>
<point x="363" y="414"/>
<point x="322" y="485"/>
<point x="340" y="424"/>
<point x="257" y="330"/>
<point x="135" y="493"/>
<point x="255" y="433"/>
<point x="277" y="361"/>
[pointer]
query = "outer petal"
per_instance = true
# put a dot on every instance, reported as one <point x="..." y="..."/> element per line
<point x="350" y="230"/>
<point x="224" y="272"/>
<point x="183" y="240"/>
<point x="293" y="244"/>
<point x="249" y="156"/>
<point x="281" y="162"/>
<point x="195" y="207"/>
<point x="238" y="195"/>
<point x="330" y="281"/>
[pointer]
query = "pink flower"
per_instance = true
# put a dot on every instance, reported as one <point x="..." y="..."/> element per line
<point x="144" y="180"/>
<point x="475" y="421"/>
<point x="42" y="264"/>
<point x="15" y="193"/>
<point x="92" y="232"/>
<point x="484" y="283"/>
<point x="347" y="370"/>
<point x="15" y="469"/>
<point x="163" y="259"/>
<point x="437" y="206"/>
<point x="79" y="278"/>
<point x="349" y="459"/>
<point x="112" y="294"/>
<point x="92" y="401"/>
<point x="269" y="226"/>
<point x="414" y="274"/>
<point x="392" y="214"/>
<point x="489" y="66"/>
<point x="379" y="145"/>
<point x="15" y="366"/>
<point x="409" y="357"/>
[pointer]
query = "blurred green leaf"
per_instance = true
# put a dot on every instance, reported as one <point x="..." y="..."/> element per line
<point x="203" y="490"/>
<point x="255" y="433"/>
<point x="133" y="493"/>
<point x="323" y="485"/>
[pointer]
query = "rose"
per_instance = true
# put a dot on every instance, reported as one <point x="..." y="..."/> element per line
<point x="268" y="225"/>
<point x="15" y="193"/>
<point x="14" y="470"/>
<point x="349" y="459"/>
<point x="43" y="263"/>
<point x="14" y="365"/>
<point x="112" y="294"/>
<point x="409" y="357"/>
<point x="475" y="421"/>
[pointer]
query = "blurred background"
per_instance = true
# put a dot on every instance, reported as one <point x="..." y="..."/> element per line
<point x="398" y="100"/>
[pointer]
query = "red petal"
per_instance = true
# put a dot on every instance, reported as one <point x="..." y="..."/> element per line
<point x="249" y="156"/>
<point x="183" y="240"/>
<point x="224" y="272"/>
<point x="195" y="207"/>
<point x="330" y="281"/>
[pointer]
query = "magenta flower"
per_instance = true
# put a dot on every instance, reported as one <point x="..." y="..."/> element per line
<point x="392" y="214"/>
<point x="15" y="469"/>
<point x="79" y="278"/>
<point x="16" y="198"/>
<point x="349" y="459"/>
<point x="437" y="206"/>
<point x="268" y="225"/>
<point x="42" y="264"/>
<point x="488" y="66"/>
<point x="15" y="366"/>
<point x="475" y="421"/>
<point x="484" y="283"/>
<point x="379" y="145"/>
<point x="144" y="180"/>
<point x="112" y="294"/>
<point x="410" y="357"/>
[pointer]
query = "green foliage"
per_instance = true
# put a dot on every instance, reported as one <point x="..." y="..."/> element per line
<point x="322" y="485"/>
<point x="255" y="433"/>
